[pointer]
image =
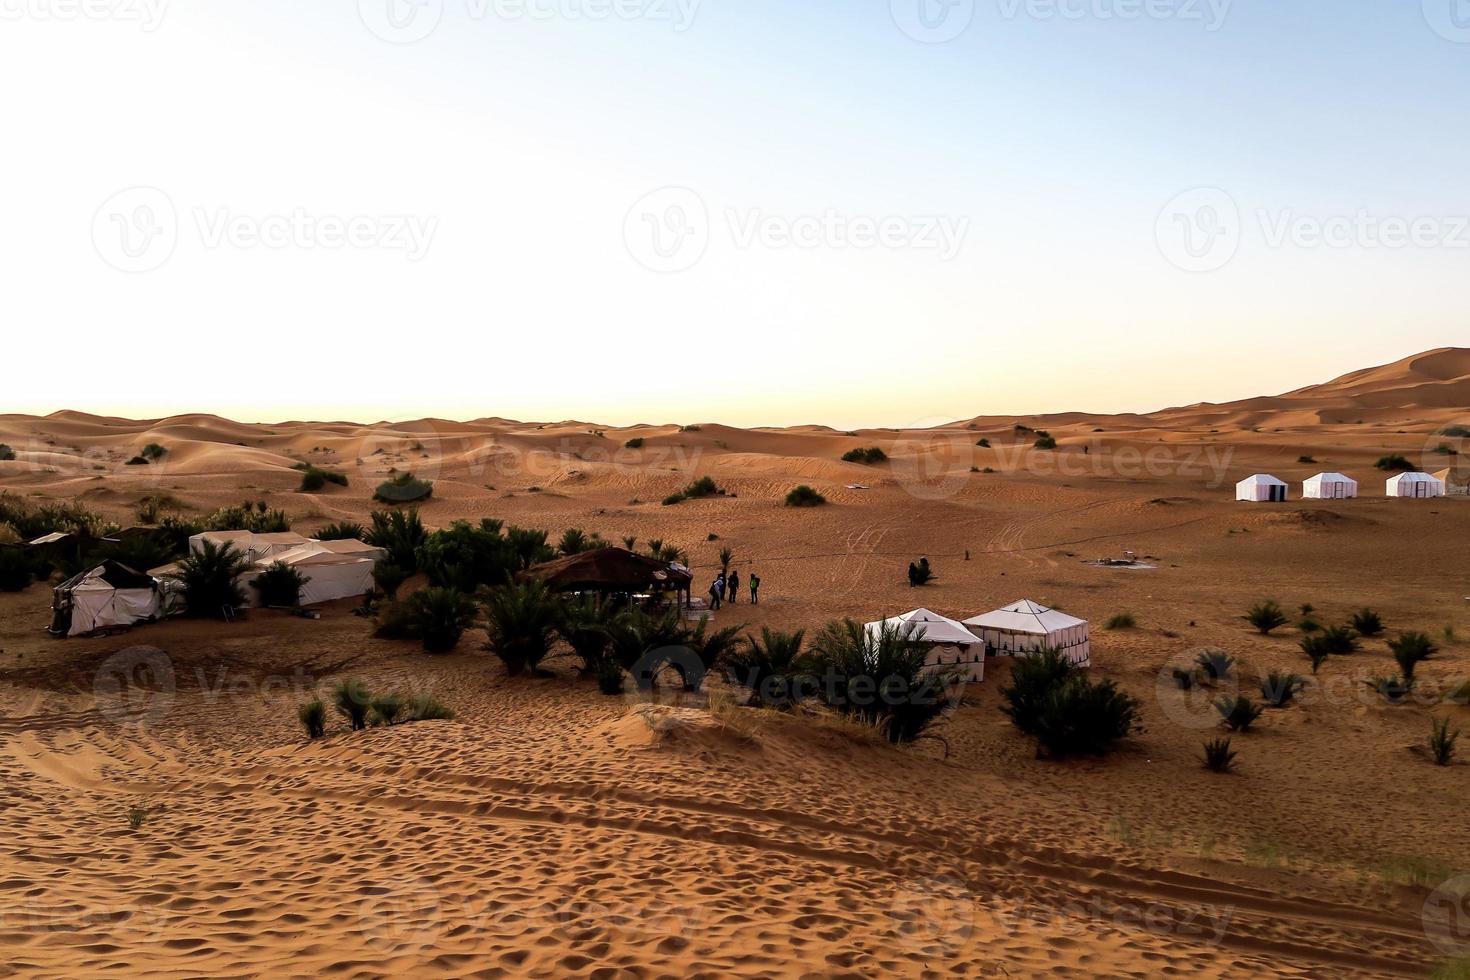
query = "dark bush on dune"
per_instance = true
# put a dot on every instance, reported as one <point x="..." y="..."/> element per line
<point x="313" y="717"/>
<point x="1340" y="640"/>
<point x="314" y="479"/>
<point x="1067" y="713"/>
<point x="868" y="457"/>
<point x="426" y="707"/>
<point x="1315" y="647"/>
<point x="1442" y="742"/>
<point x="257" y="518"/>
<point x="6" y="453"/>
<point x="1397" y="461"/>
<point x="466" y="556"/>
<point x="1239" y="713"/>
<point x="1279" y="689"/>
<point x="153" y="451"/>
<point x="1218" y="755"/>
<point x="1410" y="650"/>
<point x="1215" y="663"/>
<point x="404" y="489"/>
<point x="389" y="578"/>
<point x="353" y="700"/>
<point x="633" y="444"/>
<point x="437" y="618"/>
<point x="804" y="496"/>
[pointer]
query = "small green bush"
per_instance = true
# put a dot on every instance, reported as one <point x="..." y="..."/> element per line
<point x="314" y="479"/>
<point x="1279" y="689"/>
<point x="1315" y="647"/>
<point x="1219" y="757"/>
<point x="1340" y="640"/>
<point x="1391" y="689"/>
<point x="1410" y="650"/>
<point x="1215" y="663"/>
<point x="634" y="443"/>
<point x="439" y="617"/>
<point x="1046" y="442"/>
<point x="387" y="707"/>
<point x="153" y="452"/>
<point x="6" y="453"/>
<point x="342" y="531"/>
<point x="983" y="444"/>
<point x="1121" y="621"/>
<point x="1367" y="622"/>
<point x="352" y="699"/>
<point x="136" y="461"/>
<point x="804" y="496"/>
<point x="1442" y="742"/>
<point x="313" y="717"/>
<point x="1239" y="713"/>
<point x="1266" y="616"/>
<point x="426" y="707"/>
<point x="867" y="457"/>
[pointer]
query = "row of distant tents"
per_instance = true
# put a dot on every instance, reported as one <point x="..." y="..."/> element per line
<point x="1265" y="488"/>
<point x="111" y="595"/>
<point x="1019" y="629"/>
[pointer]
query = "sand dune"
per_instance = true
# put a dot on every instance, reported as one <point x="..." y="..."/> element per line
<point x="551" y="831"/>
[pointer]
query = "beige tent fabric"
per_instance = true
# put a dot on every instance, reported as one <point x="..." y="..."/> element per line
<point x="329" y="575"/>
<point x="952" y="646"/>
<point x="1028" y="627"/>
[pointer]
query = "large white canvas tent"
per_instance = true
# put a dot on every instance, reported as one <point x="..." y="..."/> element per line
<point x="1330" y="486"/>
<point x="1416" y="485"/>
<point x="1028" y="627"/>
<point x="1261" y="488"/>
<point x="329" y="575"/>
<point x="254" y="547"/>
<point x="109" y="595"/>
<point x="952" y="646"/>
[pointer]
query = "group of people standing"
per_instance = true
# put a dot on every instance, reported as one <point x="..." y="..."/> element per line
<point x="727" y="589"/>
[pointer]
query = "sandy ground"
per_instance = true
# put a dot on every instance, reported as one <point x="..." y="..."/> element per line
<point x="551" y="831"/>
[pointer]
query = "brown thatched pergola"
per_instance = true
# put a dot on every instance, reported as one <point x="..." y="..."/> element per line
<point x="612" y="571"/>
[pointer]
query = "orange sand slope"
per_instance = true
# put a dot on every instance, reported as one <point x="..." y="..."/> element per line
<point x="552" y="831"/>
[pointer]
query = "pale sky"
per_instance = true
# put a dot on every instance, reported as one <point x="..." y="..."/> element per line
<point x="851" y="212"/>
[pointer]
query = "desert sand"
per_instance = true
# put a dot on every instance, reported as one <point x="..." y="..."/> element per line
<point x="552" y="831"/>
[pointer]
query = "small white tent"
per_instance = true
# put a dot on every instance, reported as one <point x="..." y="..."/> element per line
<point x="329" y="575"/>
<point x="112" y="594"/>
<point x="952" y="646"/>
<point x="1261" y="488"/>
<point x="1330" y="486"/>
<point x="1416" y="485"/>
<point x="254" y="547"/>
<point x="1028" y="627"/>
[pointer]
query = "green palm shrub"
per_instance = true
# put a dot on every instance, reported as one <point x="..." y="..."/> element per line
<point x="1340" y="640"/>
<point x="1442" y="742"/>
<point x="1239" y="713"/>
<point x="1033" y="677"/>
<point x="342" y="531"/>
<point x="1215" y="663"/>
<point x="1367" y="622"/>
<point x="438" y="618"/>
<point x="521" y="621"/>
<point x="711" y="647"/>
<point x="1410" y="650"/>
<point x="1219" y="757"/>
<point x="465" y="556"/>
<point x="207" y="578"/>
<point x="1084" y="717"/>
<point x="6" y="453"/>
<point x="399" y="533"/>
<point x="280" y="585"/>
<point x="587" y="627"/>
<point x="766" y="666"/>
<point x="1391" y="689"/>
<point x="1279" y="689"/>
<point x="1315" y="647"/>
<point x="609" y="677"/>
<point x="1396" y="461"/>
<point x="880" y="678"/>
<point x="1266" y="616"/>
<point x="575" y="541"/>
<point x="529" y="546"/>
<point x="389" y="578"/>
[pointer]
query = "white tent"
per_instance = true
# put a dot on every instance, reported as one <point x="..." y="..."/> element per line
<point x="1330" y="486"/>
<point x="1028" y="627"/>
<point x="329" y="575"/>
<point x="1416" y="485"/>
<point x="354" y="548"/>
<point x="254" y="547"/>
<point x="1261" y="488"/>
<point x="112" y="594"/>
<point x="952" y="646"/>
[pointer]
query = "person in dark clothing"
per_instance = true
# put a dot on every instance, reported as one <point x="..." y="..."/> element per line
<point x="755" y="589"/>
<point x="714" y="594"/>
<point x="732" y="586"/>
